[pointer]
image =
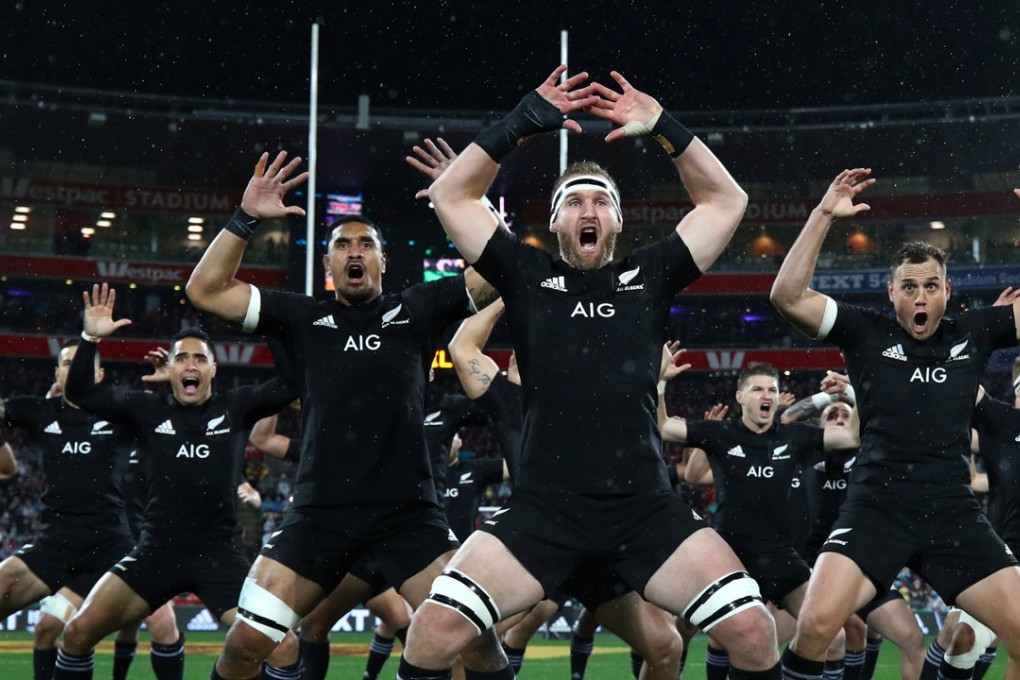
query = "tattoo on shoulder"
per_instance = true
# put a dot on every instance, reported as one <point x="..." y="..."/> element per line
<point x="475" y="369"/>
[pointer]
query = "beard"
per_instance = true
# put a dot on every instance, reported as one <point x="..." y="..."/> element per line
<point x="570" y="251"/>
<point x="358" y="296"/>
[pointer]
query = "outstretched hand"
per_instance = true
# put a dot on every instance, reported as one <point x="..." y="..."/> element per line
<point x="1008" y="296"/>
<point x="263" y="197"/>
<point x="159" y="358"/>
<point x="670" y="367"/>
<point x="432" y="161"/>
<point x="839" y="199"/>
<point x="565" y="98"/>
<point x="98" y="319"/>
<point x="634" y="111"/>
<point x="717" y="412"/>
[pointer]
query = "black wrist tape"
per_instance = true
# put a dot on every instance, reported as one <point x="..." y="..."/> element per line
<point x="293" y="450"/>
<point x="532" y="116"/>
<point x="242" y="224"/>
<point x="673" y="136"/>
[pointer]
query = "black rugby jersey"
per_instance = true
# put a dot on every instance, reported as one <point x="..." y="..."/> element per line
<point x="915" y="398"/>
<point x="753" y="473"/>
<point x="589" y="344"/>
<point x="824" y="484"/>
<point x="83" y="458"/>
<point x="465" y="482"/>
<point x="998" y="426"/>
<point x="363" y="373"/>
<point x="442" y="419"/>
<point x="192" y="455"/>
<point x="502" y="400"/>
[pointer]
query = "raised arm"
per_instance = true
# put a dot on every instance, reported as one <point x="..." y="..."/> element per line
<point x="80" y="387"/>
<point x="457" y="194"/>
<point x="791" y="294"/>
<point x="475" y="368"/>
<point x="213" y="286"/>
<point x="265" y="438"/>
<point x="719" y="202"/>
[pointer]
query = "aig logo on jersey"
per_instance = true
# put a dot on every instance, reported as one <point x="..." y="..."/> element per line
<point x="592" y="310"/>
<point x="928" y="374"/>
<point x="215" y="426"/>
<point x="193" y="451"/>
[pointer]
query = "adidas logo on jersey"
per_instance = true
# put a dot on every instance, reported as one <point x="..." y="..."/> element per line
<point x="326" y="321"/>
<point x="166" y="427"/>
<point x="101" y="427"/>
<point x="53" y="428"/>
<point x="623" y="281"/>
<point x="895" y="352"/>
<point x="210" y="428"/>
<point x="555" y="283"/>
<point x="736" y="451"/>
<point x="203" y="620"/>
<point x="781" y="453"/>
<point x="388" y="317"/>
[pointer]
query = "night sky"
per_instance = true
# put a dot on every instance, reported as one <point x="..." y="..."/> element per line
<point x="483" y="55"/>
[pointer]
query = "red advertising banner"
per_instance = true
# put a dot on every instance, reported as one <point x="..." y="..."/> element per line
<point x="258" y="354"/>
<point x="34" y="191"/>
<point x="120" y="271"/>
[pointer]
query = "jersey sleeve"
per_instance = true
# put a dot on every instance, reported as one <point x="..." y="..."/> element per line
<point x="669" y="263"/>
<point x="702" y="433"/>
<point x="274" y="313"/>
<point x="500" y="260"/>
<point x="26" y="412"/>
<point x="996" y="325"/>
<point x="489" y="471"/>
<point x="989" y="414"/>
<point x="447" y="299"/>
<point x="852" y="324"/>
<point x="96" y="398"/>
<point x="463" y="410"/>
<point x="265" y="399"/>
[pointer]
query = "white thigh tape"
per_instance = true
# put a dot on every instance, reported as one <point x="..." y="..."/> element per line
<point x="58" y="606"/>
<point x="456" y="591"/>
<point x="729" y="595"/>
<point x="264" y="611"/>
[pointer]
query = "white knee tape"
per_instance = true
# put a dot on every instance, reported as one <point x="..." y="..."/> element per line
<point x="455" y="590"/>
<point x="983" y="637"/>
<point x="727" y="596"/>
<point x="265" y="612"/>
<point x="58" y="606"/>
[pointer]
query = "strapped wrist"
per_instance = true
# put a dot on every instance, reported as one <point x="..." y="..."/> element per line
<point x="671" y="134"/>
<point x="531" y="116"/>
<point x="94" y="339"/>
<point x="241" y="224"/>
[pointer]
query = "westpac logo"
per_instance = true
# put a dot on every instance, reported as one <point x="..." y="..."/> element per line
<point x="725" y="361"/>
<point x="233" y="353"/>
<point x="112" y="269"/>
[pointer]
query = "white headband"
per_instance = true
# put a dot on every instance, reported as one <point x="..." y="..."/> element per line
<point x="585" y="183"/>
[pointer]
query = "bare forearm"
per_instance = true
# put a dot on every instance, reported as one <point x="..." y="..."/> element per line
<point x="706" y="179"/>
<point x="795" y="274"/>
<point x="8" y="464"/>
<point x="213" y="286"/>
<point x="457" y="195"/>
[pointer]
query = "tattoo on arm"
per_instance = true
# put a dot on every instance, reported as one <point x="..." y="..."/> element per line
<point x="475" y="370"/>
<point x="483" y="295"/>
<point x="804" y="408"/>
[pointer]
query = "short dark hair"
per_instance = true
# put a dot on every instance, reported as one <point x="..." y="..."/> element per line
<point x="197" y="333"/>
<point x="917" y="252"/>
<point x="756" y="368"/>
<point x="360" y="219"/>
<point x="583" y="168"/>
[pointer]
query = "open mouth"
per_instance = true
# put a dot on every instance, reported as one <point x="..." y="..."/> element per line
<point x="764" y="410"/>
<point x="589" y="238"/>
<point x="190" y="385"/>
<point x="920" y="321"/>
<point x="355" y="273"/>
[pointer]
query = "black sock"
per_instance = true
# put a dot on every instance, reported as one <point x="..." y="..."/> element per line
<point x="506" y="673"/>
<point x="43" y="661"/>
<point x="410" y="672"/>
<point x="853" y="665"/>
<point x="983" y="663"/>
<point x="515" y="655"/>
<point x="123" y="655"/>
<point x="947" y="672"/>
<point x="932" y="660"/>
<point x="798" y="668"/>
<point x="378" y="652"/>
<point x="635" y="663"/>
<point x="401" y="634"/>
<point x="168" y="660"/>
<point x="316" y="658"/>
<point x="717" y="664"/>
<point x="774" y="673"/>
<point x="580" y="650"/>
<point x="295" y="671"/>
<point x="871" y="651"/>
<point x="71" y="667"/>
<point x="833" y="670"/>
